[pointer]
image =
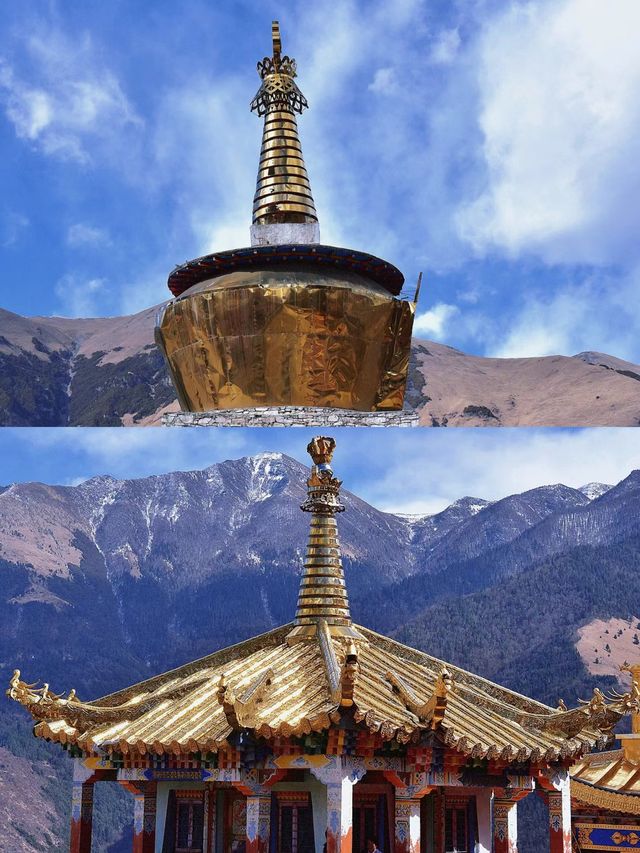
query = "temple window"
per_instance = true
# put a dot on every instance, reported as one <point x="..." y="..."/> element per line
<point x="295" y="823"/>
<point x="457" y="829"/>
<point x="185" y="823"/>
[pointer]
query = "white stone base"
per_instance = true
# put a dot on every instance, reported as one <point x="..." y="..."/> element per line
<point x="301" y="416"/>
<point x="284" y="233"/>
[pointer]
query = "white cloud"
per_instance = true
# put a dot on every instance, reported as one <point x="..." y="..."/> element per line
<point x="384" y="82"/>
<point x="434" y="322"/>
<point x="206" y="147"/>
<point x="446" y="46"/>
<point x="12" y="226"/>
<point x="82" y="234"/>
<point x="133" y="452"/>
<point x="594" y="312"/>
<point x="64" y="97"/>
<point x="440" y="468"/>
<point x="79" y="297"/>
<point x="559" y="84"/>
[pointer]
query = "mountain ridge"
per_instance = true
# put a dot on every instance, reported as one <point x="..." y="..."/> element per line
<point x="108" y="372"/>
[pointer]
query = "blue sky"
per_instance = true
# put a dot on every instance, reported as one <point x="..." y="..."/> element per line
<point x="401" y="470"/>
<point x="491" y="144"/>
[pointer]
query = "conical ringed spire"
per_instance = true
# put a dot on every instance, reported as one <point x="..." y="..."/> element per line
<point x="323" y="595"/>
<point x="283" y="206"/>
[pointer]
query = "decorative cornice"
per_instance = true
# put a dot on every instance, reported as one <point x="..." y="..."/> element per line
<point x="605" y="799"/>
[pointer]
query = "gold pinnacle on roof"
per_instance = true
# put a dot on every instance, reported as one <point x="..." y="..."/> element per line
<point x="634" y="669"/>
<point x="283" y="192"/>
<point x="323" y="594"/>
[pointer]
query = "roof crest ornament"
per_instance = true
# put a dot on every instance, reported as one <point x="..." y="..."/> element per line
<point x="431" y="711"/>
<point x="242" y="711"/>
<point x="331" y="665"/>
<point x="634" y="693"/>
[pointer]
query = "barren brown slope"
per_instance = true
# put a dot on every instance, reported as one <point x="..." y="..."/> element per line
<point x="108" y="371"/>
<point x="468" y="390"/>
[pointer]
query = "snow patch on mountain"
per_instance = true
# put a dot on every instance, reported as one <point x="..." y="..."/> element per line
<point x="266" y="472"/>
<point x="594" y="490"/>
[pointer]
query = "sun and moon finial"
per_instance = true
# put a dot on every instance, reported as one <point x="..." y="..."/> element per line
<point x="278" y="91"/>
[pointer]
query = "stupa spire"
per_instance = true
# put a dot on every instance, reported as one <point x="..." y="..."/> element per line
<point x="283" y="206"/>
<point x="323" y="595"/>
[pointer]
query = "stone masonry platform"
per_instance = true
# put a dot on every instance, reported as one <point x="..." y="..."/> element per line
<point x="300" y="416"/>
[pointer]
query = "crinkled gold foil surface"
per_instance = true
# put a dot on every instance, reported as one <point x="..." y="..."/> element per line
<point x="288" y="337"/>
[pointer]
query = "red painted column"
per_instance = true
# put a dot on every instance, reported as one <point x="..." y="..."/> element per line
<point x="407" y="825"/>
<point x="144" y="819"/>
<point x="505" y="826"/>
<point x="81" y="817"/>
<point x="560" y="819"/>
<point x="258" y="823"/>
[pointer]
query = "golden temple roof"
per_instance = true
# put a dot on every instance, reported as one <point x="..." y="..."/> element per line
<point x="611" y="780"/>
<point x="311" y="674"/>
<point x="608" y="780"/>
<point x="279" y="688"/>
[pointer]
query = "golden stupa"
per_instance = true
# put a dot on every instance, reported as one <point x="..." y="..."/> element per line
<point x="286" y="321"/>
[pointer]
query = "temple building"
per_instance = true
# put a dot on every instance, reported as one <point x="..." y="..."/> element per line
<point x="322" y="732"/>
<point x="605" y="791"/>
<point x="287" y="321"/>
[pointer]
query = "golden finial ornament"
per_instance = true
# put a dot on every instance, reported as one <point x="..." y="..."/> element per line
<point x="283" y="192"/>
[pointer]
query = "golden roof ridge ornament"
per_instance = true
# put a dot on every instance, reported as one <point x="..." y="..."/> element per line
<point x="283" y="206"/>
<point x="634" y="694"/>
<point x="323" y="594"/>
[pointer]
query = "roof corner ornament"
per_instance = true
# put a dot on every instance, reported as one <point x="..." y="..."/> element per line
<point x="349" y="675"/>
<point x="599" y="713"/>
<point x="242" y="711"/>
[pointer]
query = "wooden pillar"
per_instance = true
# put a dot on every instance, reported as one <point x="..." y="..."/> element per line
<point x="505" y="826"/>
<point x="407" y="825"/>
<point x="484" y="801"/>
<point x="81" y="817"/>
<point x="258" y="823"/>
<point x="340" y="815"/>
<point x="144" y="819"/>
<point x="560" y="818"/>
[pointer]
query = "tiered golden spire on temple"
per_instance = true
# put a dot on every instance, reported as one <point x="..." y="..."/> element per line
<point x="283" y="192"/>
<point x="323" y="594"/>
